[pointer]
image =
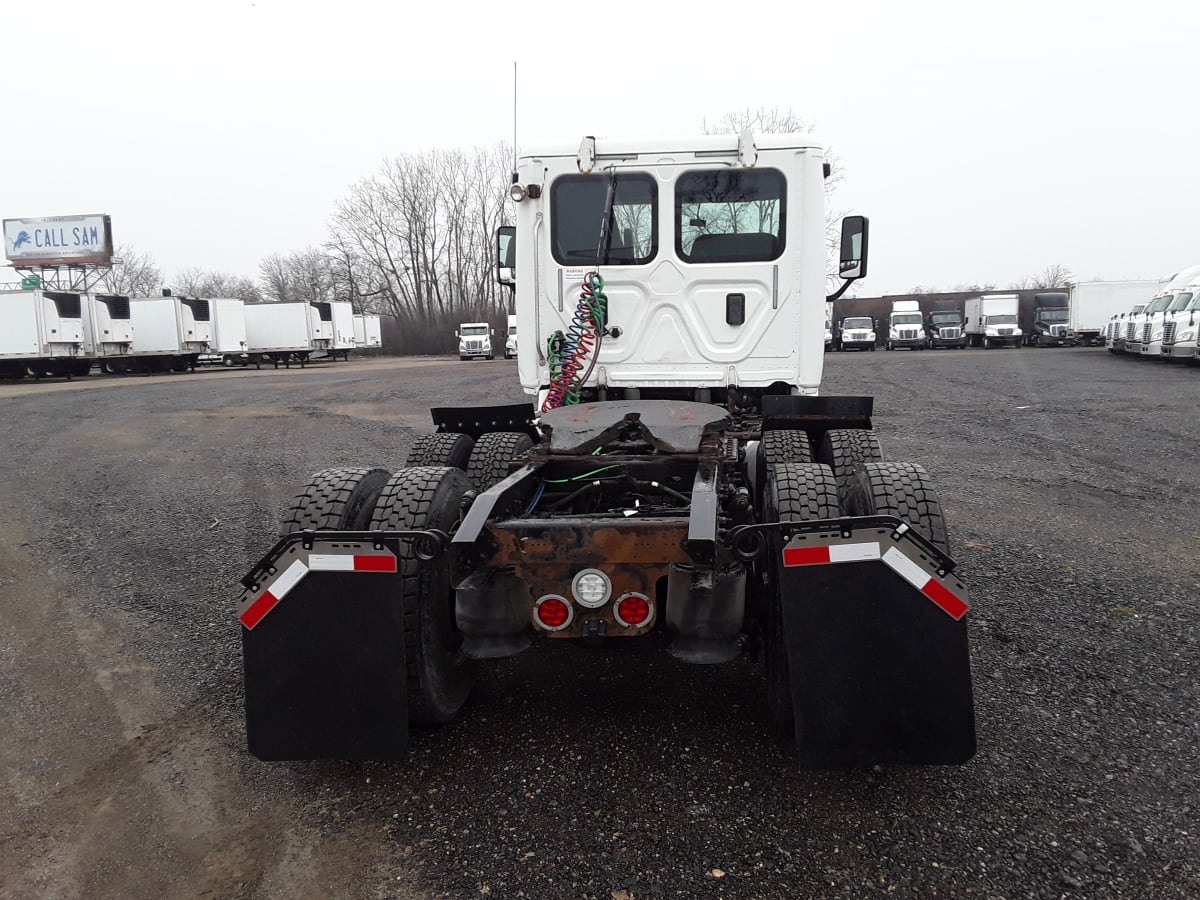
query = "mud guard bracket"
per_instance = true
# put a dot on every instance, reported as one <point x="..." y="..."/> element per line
<point x="876" y="642"/>
<point x="323" y="650"/>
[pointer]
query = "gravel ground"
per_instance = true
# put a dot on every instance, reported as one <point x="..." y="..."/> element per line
<point x="130" y="507"/>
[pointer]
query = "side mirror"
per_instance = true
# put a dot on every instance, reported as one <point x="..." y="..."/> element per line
<point x="456" y="332"/>
<point x="506" y="254"/>
<point x="493" y="331"/>
<point x="854" y="248"/>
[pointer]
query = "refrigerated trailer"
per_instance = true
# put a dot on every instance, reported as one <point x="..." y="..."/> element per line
<point x="367" y="333"/>
<point x="107" y="325"/>
<point x="41" y="333"/>
<point x="229" y="331"/>
<point x="169" y="334"/>
<point x="287" y="332"/>
<point x="341" y="319"/>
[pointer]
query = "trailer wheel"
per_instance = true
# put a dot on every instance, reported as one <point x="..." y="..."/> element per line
<point x="446" y="448"/>
<point x="440" y="677"/>
<point x="785" y="445"/>
<point x="796" y="492"/>
<point x="492" y="454"/>
<point x="844" y="450"/>
<point x="340" y="499"/>
<point x="903" y="490"/>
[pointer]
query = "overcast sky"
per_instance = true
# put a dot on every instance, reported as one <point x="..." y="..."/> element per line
<point x="985" y="141"/>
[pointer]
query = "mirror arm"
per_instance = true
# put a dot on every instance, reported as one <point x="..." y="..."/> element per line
<point x="838" y="293"/>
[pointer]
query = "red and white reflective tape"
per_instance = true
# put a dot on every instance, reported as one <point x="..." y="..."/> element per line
<point x="254" y="612"/>
<point x="949" y="602"/>
<point x="953" y="605"/>
<point x="834" y="553"/>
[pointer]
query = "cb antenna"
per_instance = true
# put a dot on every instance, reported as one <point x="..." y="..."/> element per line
<point x="514" y="168"/>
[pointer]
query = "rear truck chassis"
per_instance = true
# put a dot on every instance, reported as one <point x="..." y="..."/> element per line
<point x="862" y="617"/>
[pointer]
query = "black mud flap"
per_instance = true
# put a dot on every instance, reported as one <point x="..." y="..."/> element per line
<point x="876" y="643"/>
<point x="323" y="646"/>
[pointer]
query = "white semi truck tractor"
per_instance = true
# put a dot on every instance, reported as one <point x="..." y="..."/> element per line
<point x="1183" y="326"/>
<point x="992" y="321"/>
<point x="906" y="326"/>
<point x="510" y="339"/>
<point x="475" y="341"/>
<point x="675" y="474"/>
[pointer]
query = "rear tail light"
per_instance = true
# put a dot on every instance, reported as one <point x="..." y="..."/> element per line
<point x="633" y="610"/>
<point x="552" y="613"/>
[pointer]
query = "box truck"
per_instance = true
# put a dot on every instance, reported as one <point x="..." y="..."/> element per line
<point x="1092" y="303"/>
<point x="1050" y="322"/>
<point x="992" y="321"/>
<point x="41" y="333"/>
<point x="906" y="326"/>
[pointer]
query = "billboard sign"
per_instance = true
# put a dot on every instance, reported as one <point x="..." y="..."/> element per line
<point x="59" y="241"/>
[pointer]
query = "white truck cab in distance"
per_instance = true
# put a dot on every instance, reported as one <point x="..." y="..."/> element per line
<point x="906" y="326"/>
<point x="510" y="339"/>
<point x="475" y="340"/>
<point x="1181" y="329"/>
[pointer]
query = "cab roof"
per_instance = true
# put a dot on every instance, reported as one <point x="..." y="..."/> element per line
<point x="703" y="143"/>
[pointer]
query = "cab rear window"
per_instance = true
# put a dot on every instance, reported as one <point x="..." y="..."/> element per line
<point x="577" y="212"/>
<point x="730" y="215"/>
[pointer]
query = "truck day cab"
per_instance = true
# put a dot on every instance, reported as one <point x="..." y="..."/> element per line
<point x="676" y="474"/>
<point x="1051" y="320"/>
<point x="475" y="341"/>
<point x="944" y="326"/>
<point x="855" y="333"/>
<point x="906" y="326"/>
<point x="1181" y="329"/>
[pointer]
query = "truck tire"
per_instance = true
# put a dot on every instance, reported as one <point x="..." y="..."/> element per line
<point x="492" y="454"/>
<point x="490" y="356"/>
<point x="440" y="677"/>
<point x="445" y="448"/>
<point x="340" y="499"/>
<point x="796" y="492"/>
<point x="903" y="490"/>
<point x="785" y="445"/>
<point x="844" y="450"/>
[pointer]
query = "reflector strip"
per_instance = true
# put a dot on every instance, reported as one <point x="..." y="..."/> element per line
<point x="835" y="553"/>
<point x="266" y="601"/>
<point x="950" y="603"/>
<point x="333" y="562"/>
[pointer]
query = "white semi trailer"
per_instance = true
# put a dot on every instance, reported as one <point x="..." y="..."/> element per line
<point x="287" y="332"/>
<point x="41" y="333"/>
<point x="341" y="322"/>
<point x="992" y="321"/>
<point x="229" y="344"/>
<point x="675" y="476"/>
<point x="367" y="332"/>
<point x="169" y="334"/>
<point x="107" y="326"/>
<point x="906" y="326"/>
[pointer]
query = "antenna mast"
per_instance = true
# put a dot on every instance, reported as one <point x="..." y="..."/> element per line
<point x="514" y="168"/>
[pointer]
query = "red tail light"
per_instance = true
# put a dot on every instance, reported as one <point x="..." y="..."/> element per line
<point x="552" y="613"/>
<point x="633" y="610"/>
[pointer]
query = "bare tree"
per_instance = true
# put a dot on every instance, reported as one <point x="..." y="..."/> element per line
<point x="776" y="120"/>
<point x="136" y="276"/>
<point x="416" y="240"/>
<point x="309" y="274"/>
<point x="196" y="282"/>
<point x="1052" y="276"/>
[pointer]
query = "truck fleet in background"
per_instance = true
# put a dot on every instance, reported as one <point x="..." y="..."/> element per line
<point x="45" y="332"/>
<point x="1157" y="319"/>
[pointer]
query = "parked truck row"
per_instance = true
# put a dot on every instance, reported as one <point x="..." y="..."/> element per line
<point x="1162" y="323"/>
<point x="44" y="332"/>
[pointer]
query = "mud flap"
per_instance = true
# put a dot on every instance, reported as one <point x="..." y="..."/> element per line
<point x="876" y="644"/>
<point x="323" y="649"/>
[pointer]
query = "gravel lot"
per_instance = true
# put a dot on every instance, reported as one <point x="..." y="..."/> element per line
<point x="130" y="507"/>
